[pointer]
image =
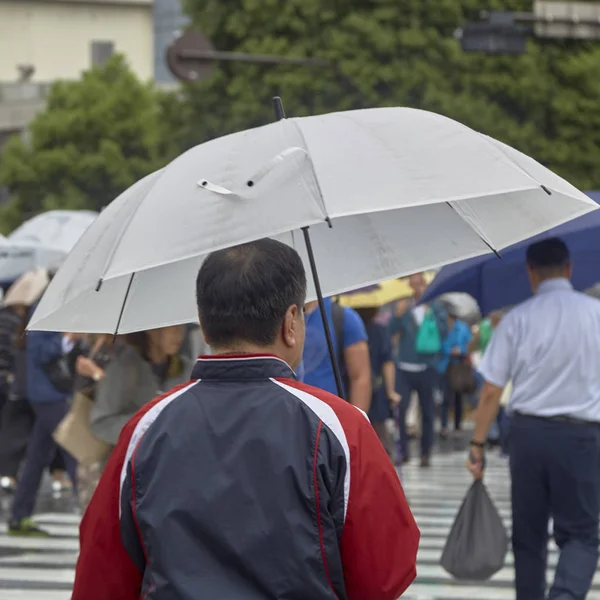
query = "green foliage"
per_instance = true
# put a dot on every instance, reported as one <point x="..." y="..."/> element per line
<point x="95" y="138"/>
<point x="401" y="52"/>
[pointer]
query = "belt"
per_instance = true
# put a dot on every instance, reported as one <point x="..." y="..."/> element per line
<point x="560" y="419"/>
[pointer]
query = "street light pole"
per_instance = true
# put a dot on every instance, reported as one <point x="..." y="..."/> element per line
<point x="191" y="56"/>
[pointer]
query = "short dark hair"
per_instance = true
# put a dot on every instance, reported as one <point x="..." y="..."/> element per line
<point x="368" y="314"/>
<point x="244" y="292"/>
<point x="549" y="255"/>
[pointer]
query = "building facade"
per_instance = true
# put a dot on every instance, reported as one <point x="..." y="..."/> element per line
<point x="42" y="41"/>
<point x="59" y="39"/>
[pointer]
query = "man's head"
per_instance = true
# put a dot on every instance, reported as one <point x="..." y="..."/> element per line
<point x="418" y="284"/>
<point x="251" y="298"/>
<point x="548" y="259"/>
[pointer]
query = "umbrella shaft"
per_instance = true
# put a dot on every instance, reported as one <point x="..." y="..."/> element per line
<point x="334" y="361"/>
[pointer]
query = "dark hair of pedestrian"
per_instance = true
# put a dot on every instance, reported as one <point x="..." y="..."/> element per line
<point x="368" y="314"/>
<point x="548" y="257"/>
<point x="243" y="293"/>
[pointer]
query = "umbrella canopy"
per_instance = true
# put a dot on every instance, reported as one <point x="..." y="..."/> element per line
<point x="379" y="294"/>
<point x="42" y="242"/>
<point x="28" y="289"/>
<point x="386" y="192"/>
<point x="496" y="283"/>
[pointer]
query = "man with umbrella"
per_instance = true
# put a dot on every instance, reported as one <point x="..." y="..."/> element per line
<point x="245" y="483"/>
<point x="549" y="347"/>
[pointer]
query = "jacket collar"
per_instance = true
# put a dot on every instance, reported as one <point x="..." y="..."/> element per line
<point x="239" y="367"/>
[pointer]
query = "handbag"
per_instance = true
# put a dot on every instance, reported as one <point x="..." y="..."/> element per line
<point x="59" y="373"/>
<point x="428" y="339"/>
<point x="461" y="377"/>
<point x="75" y="436"/>
<point x="477" y="544"/>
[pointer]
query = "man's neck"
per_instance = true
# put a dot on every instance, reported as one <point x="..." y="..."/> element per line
<point x="243" y="350"/>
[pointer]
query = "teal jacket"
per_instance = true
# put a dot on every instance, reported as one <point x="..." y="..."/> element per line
<point x="407" y="327"/>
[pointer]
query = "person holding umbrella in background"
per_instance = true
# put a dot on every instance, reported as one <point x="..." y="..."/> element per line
<point x="549" y="347"/>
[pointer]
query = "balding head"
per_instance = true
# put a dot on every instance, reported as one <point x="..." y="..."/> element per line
<point x="248" y="295"/>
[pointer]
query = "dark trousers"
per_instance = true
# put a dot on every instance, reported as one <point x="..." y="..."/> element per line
<point x="16" y="425"/>
<point x="423" y="383"/>
<point x="555" y="469"/>
<point x="40" y="452"/>
<point x="451" y="398"/>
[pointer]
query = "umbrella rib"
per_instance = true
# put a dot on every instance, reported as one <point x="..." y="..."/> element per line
<point x="479" y="235"/>
<point x="123" y="305"/>
<point x="312" y="166"/>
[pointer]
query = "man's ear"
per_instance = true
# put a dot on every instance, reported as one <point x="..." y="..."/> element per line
<point x="290" y="325"/>
<point x="569" y="270"/>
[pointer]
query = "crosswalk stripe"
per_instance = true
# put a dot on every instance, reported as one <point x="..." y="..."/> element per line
<point x="43" y="569"/>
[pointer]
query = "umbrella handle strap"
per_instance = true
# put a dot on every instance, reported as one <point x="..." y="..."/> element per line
<point x="275" y="162"/>
<point x="260" y="174"/>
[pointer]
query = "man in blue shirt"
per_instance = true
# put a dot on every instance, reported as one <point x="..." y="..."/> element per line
<point x="316" y="368"/>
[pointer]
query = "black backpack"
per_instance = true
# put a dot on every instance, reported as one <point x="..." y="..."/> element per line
<point x="337" y="316"/>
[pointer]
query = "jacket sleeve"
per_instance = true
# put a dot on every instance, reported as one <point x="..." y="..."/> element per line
<point x="105" y="569"/>
<point x="380" y="537"/>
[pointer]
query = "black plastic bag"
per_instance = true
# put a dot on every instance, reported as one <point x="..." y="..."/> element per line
<point x="477" y="544"/>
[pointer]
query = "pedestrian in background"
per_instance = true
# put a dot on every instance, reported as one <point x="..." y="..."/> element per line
<point x="549" y="347"/>
<point x="420" y="330"/>
<point x="455" y="356"/>
<point x="147" y="364"/>
<point x="49" y="385"/>
<point x="351" y="349"/>
<point x="383" y="376"/>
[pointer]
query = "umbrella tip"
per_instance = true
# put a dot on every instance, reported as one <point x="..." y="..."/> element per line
<point x="99" y="285"/>
<point x="278" y="108"/>
<point x="547" y="190"/>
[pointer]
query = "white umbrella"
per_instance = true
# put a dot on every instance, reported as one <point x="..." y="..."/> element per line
<point x="385" y="192"/>
<point x="42" y="242"/>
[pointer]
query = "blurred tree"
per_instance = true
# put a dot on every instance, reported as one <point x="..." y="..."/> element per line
<point x="401" y="52"/>
<point x="95" y="138"/>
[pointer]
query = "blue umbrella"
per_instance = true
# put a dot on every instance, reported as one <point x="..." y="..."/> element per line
<point x="496" y="283"/>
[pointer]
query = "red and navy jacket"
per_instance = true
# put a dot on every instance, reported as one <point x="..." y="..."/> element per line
<point x="244" y="484"/>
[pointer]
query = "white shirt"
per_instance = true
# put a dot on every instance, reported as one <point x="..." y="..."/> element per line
<point x="549" y="347"/>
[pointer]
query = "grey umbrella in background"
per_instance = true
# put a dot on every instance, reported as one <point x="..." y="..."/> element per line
<point x="462" y="306"/>
<point x="42" y="242"/>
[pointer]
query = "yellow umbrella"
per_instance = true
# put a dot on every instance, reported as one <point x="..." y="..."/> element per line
<point x="380" y="294"/>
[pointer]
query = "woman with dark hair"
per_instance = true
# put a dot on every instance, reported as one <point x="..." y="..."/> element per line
<point x="147" y="364"/>
<point x="383" y="376"/>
